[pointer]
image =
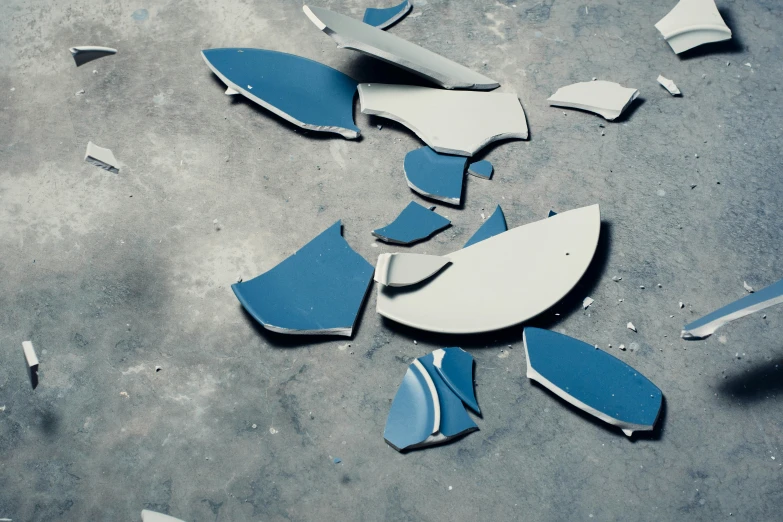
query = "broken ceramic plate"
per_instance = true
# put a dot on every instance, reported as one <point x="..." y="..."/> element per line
<point x="386" y="17"/>
<point x="455" y="367"/>
<point x="607" y="99"/>
<point x="498" y="283"/>
<point x="317" y="291"/>
<point x="669" y="85"/>
<point x="692" y="23"/>
<point x="592" y="380"/>
<point x="87" y="53"/>
<point x="32" y="362"/>
<point x="153" y="516"/>
<point x="426" y="409"/>
<point x="481" y="169"/>
<point x="436" y="176"/>
<point x="356" y="35"/>
<point x="496" y="224"/>
<point x="100" y="157"/>
<point x="759" y="300"/>
<point x="451" y="122"/>
<point x="403" y="269"/>
<point x="306" y="93"/>
<point x="415" y="223"/>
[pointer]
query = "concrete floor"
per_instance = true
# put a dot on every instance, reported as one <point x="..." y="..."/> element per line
<point x="110" y="275"/>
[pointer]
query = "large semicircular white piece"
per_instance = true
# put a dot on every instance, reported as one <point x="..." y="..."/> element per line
<point x="503" y="280"/>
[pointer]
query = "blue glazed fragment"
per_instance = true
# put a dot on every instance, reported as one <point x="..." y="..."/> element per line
<point x="306" y="93"/>
<point x="481" y="169"/>
<point x="551" y="213"/>
<point x="436" y="176"/>
<point x="386" y="17"/>
<point x="706" y="326"/>
<point x="592" y="380"/>
<point x="455" y="366"/>
<point x="454" y="420"/>
<point x="318" y="290"/>
<point x="413" y="414"/>
<point x="414" y="223"/>
<point x="496" y="224"/>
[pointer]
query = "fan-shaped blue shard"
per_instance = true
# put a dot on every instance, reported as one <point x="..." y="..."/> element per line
<point x="481" y="169"/>
<point x="592" y="380"/>
<point x="436" y="176"/>
<point x="454" y="420"/>
<point x="706" y="326"/>
<point x="455" y="367"/>
<point x="318" y="290"/>
<point x="496" y="224"/>
<point x="386" y="17"/>
<point x="413" y="414"/>
<point x="306" y="93"/>
<point x="414" y="223"/>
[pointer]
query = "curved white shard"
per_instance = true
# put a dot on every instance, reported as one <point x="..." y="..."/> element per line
<point x="359" y="36"/>
<point x="607" y="99"/>
<point x="501" y="281"/>
<point x="404" y="269"/>
<point x="87" y="53"/>
<point x="450" y="122"/>
<point x="669" y="85"/>
<point x="692" y="23"/>
<point x="154" y="516"/>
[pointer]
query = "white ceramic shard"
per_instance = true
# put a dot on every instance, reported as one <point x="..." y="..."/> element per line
<point x="356" y="35"/>
<point x="692" y="23"/>
<point x="87" y="53"/>
<point x="450" y="122"/>
<point x="403" y="269"/>
<point x="669" y="85"/>
<point x="153" y="516"/>
<point x="32" y="362"/>
<point x="608" y="99"/>
<point x="100" y="157"/>
<point x="231" y="92"/>
<point x="501" y="281"/>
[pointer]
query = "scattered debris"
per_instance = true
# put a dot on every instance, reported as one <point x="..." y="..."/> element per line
<point x="356" y="35"/>
<point x="587" y="302"/>
<point x="337" y="460"/>
<point x="100" y="157"/>
<point x="152" y="516"/>
<point x="32" y="362"/>
<point x="87" y="53"/>
<point x="436" y="176"/>
<point x="551" y="213"/>
<point x="682" y="305"/>
<point x="415" y="223"/>
<point x="496" y="224"/>
<point x="79" y="92"/>
<point x="316" y="291"/>
<point x="622" y="347"/>
<point x="692" y="23"/>
<point x="630" y="326"/>
<point x="669" y="86"/>
<point x="747" y="287"/>
<point x="384" y="18"/>
<point x="451" y="122"/>
<point x="617" y="279"/>
<point x="158" y="368"/>
<point x="481" y="169"/>
<point x="607" y="99"/>
<point x="231" y="92"/>
<point x="124" y="394"/>
<point x="641" y="286"/>
<point x="404" y="269"/>
<point x="254" y="426"/>
<point x="306" y="93"/>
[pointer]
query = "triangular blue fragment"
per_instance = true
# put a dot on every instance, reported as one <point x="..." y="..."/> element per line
<point x="412" y="414"/>
<point x="551" y="213"/>
<point x="304" y="92"/>
<point x="496" y="224"/>
<point x="436" y="176"/>
<point x="385" y="17"/>
<point x="456" y="369"/>
<point x="414" y="223"/>
<point x="481" y="169"/>
<point x="318" y="290"/>
<point x="454" y="420"/>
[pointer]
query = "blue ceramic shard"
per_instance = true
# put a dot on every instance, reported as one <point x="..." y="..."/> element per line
<point x="551" y="213"/>
<point x="706" y="326"/>
<point x="414" y="223"/>
<point x="436" y="176"/>
<point x="386" y="17"/>
<point x="592" y="380"/>
<point x="481" y="169"/>
<point x="454" y="420"/>
<point x="455" y="367"/>
<point x="316" y="291"/>
<point x="414" y="414"/>
<point x="496" y="224"/>
<point x="306" y="93"/>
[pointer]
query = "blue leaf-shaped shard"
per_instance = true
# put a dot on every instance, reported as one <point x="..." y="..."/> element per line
<point x="413" y="224"/>
<point x="481" y="169"/>
<point x="318" y="290"/>
<point x="455" y="366"/>
<point x="436" y="176"/>
<point x="592" y="380"/>
<point x="496" y="224"/>
<point x="386" y="17"/>
<point x="414" y="411"/>
<point x="306" y="93"/>
<point x="454" y="420"/>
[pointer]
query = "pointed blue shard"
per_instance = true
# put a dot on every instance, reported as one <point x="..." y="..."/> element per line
<point x="592" y="380"/>
<point x="306" y="93"/>
<point x="551" y="213"/>
<point x="317" y="291"/>
<point x="706" y="326"/>
<point x="414" y="223"/>
<point x="496" y="224"/>
<point x="454" y="420"/>
<point x="455" y="366"/>
<point x="414" y="413"/>
<point x="481" y="169"/>
<point x="386" y="17"/>
<point x="436" y="176"/>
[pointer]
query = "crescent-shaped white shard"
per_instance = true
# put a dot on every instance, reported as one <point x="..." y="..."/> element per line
<point x="501" y="281"/>
<point x="608" y="99"/>
<point x="692" y="23"/>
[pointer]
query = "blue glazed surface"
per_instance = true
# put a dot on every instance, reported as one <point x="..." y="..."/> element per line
<point x="454" y="420"/>
<point x="496" y="224"/>
<point x="309" y="92"/>
<point x="482" y="169"/>
<point x="770" y="292"/>
<point x="456" y="369"/>
<point x="434" y="175"/>
<point x="414" y="223"/>
<point x="320" y="287"/>
<point x="551" y="213"/>
<point x="412" y="412"/>
<point x="380" y="17"/>
<point x="593" y="377"/>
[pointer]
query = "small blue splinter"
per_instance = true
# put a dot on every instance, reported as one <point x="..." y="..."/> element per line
<point x="386" y="17"/>
<point x="436" y="176"/>
<point x="414" y="223"/>
<point x="496" y="224"/>
<point x="481" y="169"/>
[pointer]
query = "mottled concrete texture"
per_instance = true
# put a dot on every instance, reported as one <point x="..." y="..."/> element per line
<point x="112" y="275"/>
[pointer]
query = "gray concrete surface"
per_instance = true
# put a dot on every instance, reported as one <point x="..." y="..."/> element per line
<point x="110" y="275"/>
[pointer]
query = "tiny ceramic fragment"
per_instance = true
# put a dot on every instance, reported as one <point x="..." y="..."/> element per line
<point x="100" y="157"/>
<point x="630" y="326"/>
<point x="587" y="301"/>
<point x="386" y="17"/>
<point x="748" y="288"/>
<point x="607" y="99"/>
<point x="616" y="279"/>
<point x="622" y="347"/>
<point x="481" y="169"/>
<point x="415" y="223"/>
<point x="692" y="23"/>
<point x="87" y="53"/>
<point x="32" y="362"/>
<point x="551" y="213"/>
<point x="681" y="305"/>
<point x="669" y="85"/>
<point x="231" y="92"/>
<point x="496" y="224"/>
<point x="404" y="269"/>
<point x="436" y="176"/>
<point x="152" y="516"/>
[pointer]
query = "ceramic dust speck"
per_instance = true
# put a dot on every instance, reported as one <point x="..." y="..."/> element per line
<point x="100" y="157"/>
<point x="318" y="290"/>
<point x="386" y="17"/>
<point x="404" y="269"/>
<point x="692" y="23"/>
<point x="481" y="169"/>
<point x="436" y="176"/>
<point x="87" y="53"/>
<point x="415" y="223"/>
<point x="496" y="224"/>
<point x="592" y="380"/>
<point x="607" y="99"/>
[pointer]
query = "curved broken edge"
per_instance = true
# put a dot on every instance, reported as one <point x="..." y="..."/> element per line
<point x="695" y="28"/>
<point x="349" y="134"/>
<point x="429" y="266"/>
<point x="393" y="19"/>
<point x="607" y="114"/>
<point x="92" y="49"/>
<point x="452" y="379"/>
<point x="450" y="201"/>
<point x="682" y="40"/>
